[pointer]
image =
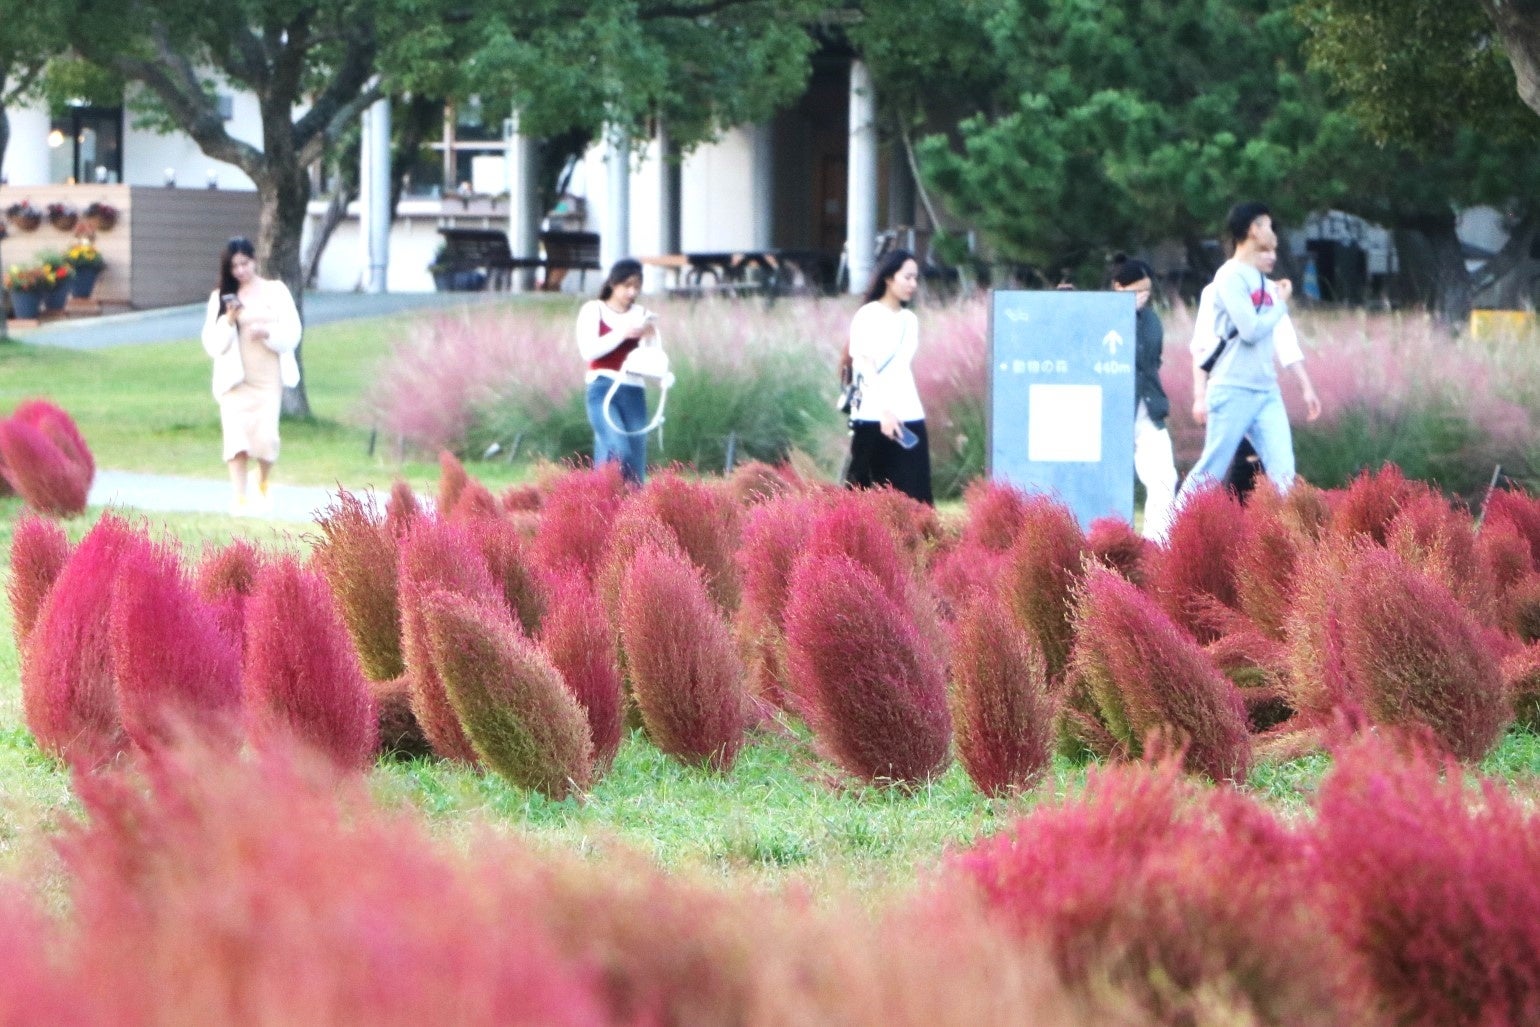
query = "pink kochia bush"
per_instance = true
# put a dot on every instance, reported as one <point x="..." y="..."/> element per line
<point x="1193" y="902"/>
<point x="685" y="674"/>
<point x="68" y="688"/>
<point x="1001" y="702"/>
<point x="173" y="663"/>
<point x="39" y="549"/>
<point x="1041" y="567"/>
<point x="1152" y="684"/>
<point x="357" y="554"/>
<point x="1435" y="889"/>
<point x="579" y="641"/>
<point x="1194" y="575"/>
<point x="301" y="673"/>
<point x="45" y="459"/>
<point x="870" y="688"/>
<point x="225" y="579"/>
<point x="511" y="702"/>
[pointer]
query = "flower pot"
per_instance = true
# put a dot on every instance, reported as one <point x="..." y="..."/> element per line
<point x="57" y="297"/>
<point x="102" y="222"/>
<point x="63" y="222"/>
<point x="83" y="281"/>
<point x="26" y="304"/>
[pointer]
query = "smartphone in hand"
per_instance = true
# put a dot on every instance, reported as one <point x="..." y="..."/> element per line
<point x="231" y="300"/>
<point x="907" y="438"/>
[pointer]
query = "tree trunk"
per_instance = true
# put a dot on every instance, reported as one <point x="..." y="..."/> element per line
<point x="336" y="211"/>
<point x="285" y="191"/>
<point x="1433" y="267"/>
<point x="1518" y="26"/>
<point x="1202" y="261"/>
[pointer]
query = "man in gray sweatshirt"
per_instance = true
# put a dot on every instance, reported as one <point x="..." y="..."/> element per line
<point x="1242" y="396"/>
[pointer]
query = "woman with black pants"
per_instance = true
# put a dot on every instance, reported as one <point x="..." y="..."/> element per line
<point x="888" y="445"/>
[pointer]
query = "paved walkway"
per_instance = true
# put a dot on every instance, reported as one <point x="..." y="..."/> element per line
<point x="167" y="324"/>
<point x="161" y="492"/>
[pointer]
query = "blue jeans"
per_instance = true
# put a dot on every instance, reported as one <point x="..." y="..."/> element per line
<point x="1234" y="414"/>
<point x="629" y="411"/>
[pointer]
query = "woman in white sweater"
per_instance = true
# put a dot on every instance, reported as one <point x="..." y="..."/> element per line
<point x="888" y="445"/>
<point x="251" y="331"/>
<point x="608" y="330"/>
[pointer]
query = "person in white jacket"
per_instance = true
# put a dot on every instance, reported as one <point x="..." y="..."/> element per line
<point x="609" y="329"/>
<point x="251" y="331"/>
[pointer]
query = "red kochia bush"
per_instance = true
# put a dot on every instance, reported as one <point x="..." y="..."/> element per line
<point x="1194" y="902"/>
<point x="40" y="472"/>
<point x="1438" y="896"/>
<point x="68" y="692"/>
<point x="996" y="512"/>
<point x="575" y="521"/>
<point x="1194" y="575"/>
<point x="438" y="555"/>
<point x="871" y="689"/>
<point x="301" y="674"/>
<point x="705" y="521"/>
<point x="1519" y="511"/>
<point x="1150" y="680"/>
<point x="1001" y="702"/>
<point x="507" y="556"/>
<point x="1040" y="568"/>
<point x="39" y="550"/>
<point x="1371" y="501"/>
<point x="172" y="661"/>
<point x="452" y="481"/>
<point x="580" y="644"/>
<point x="512" y="703"/>
<point x="687" y="678"/>
<point x="1112" y="541"/>
<point x="358" y="555"/>
<point x="775" y="535"/>
<point x="225" y="579"/>
<point x="266" y="889"/>
<point x="1401" y="649"/>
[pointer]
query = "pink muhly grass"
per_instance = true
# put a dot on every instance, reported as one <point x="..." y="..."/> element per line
<point x="438" y="555"/>
<point x="685" y="673"/>
<point x="507" y="556"/>
<point x="39" y="550"/>
<point x="173" y="662"/>
<point x="1436" y="895"/>
<point x="579" y="640"/>
<point x="301" y="673"/>
<point x="869" y="685"/>
<point x="40" y="472"/>
<point x="225" y="579"/>
<point x="357" y="554"/>
<point x="1194" y="574"/>
<point x="68" y="688"/>
<point x="1192" y="902"/>
<point x="511" y="701"/>
<point x="575" y="521"/>
<point x="1517" y="510"/>
<point x="995" y="513"/>
<point x="1152" y="683"/>
<point x="706" y="523"/>
<point x="266" y="888"/>
<point x="1040" y="569"/>
<point x="1377" y="636"/>
<point x="1113" y="541"/>
<point x="1371" y="501"/>
<point x="1002" y="704"/>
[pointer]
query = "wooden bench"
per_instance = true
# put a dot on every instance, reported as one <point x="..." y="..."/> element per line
<point x="485" y="250"/>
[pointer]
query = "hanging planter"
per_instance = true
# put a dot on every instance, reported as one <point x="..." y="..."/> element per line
<point x="62" y="216"/>
<point x="24" y="216"/>
<point x="101" y="217"/>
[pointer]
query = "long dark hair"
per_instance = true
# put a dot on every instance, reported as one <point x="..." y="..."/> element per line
<point x="886" y="269"/>
<point x="623" y="269"/>
<point x="227" y="283"/>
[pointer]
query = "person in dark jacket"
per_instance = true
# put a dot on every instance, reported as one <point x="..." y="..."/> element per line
<point x="1154" y="462"/>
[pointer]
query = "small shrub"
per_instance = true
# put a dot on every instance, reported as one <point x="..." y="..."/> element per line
<point x="1113" y="541"/>
<point x="575" y="522"/>
<point x="1001" y="702"/>
<point x="45" y="478"/>
<point x="775" y="534"/>
<point x="225" y="579"/>
<point x="1041" y="567"/>
<point x="1194" y="575"/>
<point x="705" y="522"/>
<point x="754" y="481"/>
<point x="1193" y="903"/>
<point x="507" y="556"/>
<point x="963" y="570"/>
<point x="511" y="702"/>
<point x="301" y="673"/>
<point x="1434" y="894"/>
<point x="401" y="510"/>
<point x="358" y="554"/>
<point x="452" y="481"/>
<point x="847" y="526"/>
<point x="686" y="676"/>
<point x="1153" y="684"/>
<point x="1371" y="502"/>
<point x="995" y="514"/>
<point x="1267" y="557"/>
<point x="580" y="643"/>
<point x="1517" y="510"/>
<point x="1440" y="539"/>
<point x="39" y="550"/>
<point x="68" y="689"/>
<point x="871" y="688"/>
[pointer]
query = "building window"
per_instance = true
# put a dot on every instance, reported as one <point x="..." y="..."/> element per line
<point x="86" y="145"/>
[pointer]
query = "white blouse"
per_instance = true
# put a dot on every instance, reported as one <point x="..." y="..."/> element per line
<point x="883" y="342"/>
<point x="221" y="337"/>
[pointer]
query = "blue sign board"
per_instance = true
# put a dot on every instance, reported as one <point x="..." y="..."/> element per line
<point x="1061" y="398"/>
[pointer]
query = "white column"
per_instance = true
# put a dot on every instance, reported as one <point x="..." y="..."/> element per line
<point x="861" y="181"/>
<point x="615" y="229"/>
<point x="377" y="212"/>
<point x="523" y="200"/>
<point x="26" y="158"/>
<point x="763" y="196"/>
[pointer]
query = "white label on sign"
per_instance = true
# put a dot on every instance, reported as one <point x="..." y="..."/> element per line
<point x="1064" y="423"/>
